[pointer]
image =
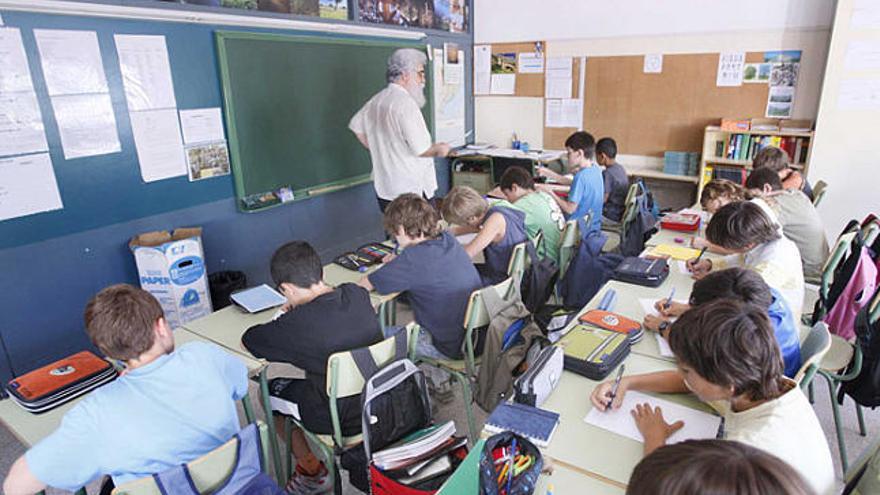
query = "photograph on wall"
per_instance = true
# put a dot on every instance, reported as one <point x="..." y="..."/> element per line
<point x="504" y="63"/>
<point x="447" y="15"/>
<point x="780" y="102"/>
<point x="332" y="9"/>
<point x="783" y="57"/>
<point x="207" y="160"/>
<point x="757" y="73"/>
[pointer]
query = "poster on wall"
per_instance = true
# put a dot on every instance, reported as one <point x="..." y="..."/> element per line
<point x="331" y="9"/>
<point x="446" y="15"/>
<point x="785" y="65"/>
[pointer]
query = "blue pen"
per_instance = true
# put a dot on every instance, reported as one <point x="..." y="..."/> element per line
<point x="668" y="302"/>
<point x="510" y="468"/>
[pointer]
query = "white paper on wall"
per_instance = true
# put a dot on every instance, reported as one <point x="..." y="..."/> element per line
<point x="159" y="146"/>
<point x="146" y="72"/>
<point x="27" y="186"/>
<point x="87" y="124"/>
<point x="21" y="125"/>
<point x="71" y="61"/>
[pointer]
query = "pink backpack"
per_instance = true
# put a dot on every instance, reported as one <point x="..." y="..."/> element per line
<point x="857" y="293"/>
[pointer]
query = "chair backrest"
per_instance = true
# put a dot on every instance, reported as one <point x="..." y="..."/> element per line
<point x="835" y="258"/>
<point x="813" y="348"/>
<point x="819" y="191"/>
<point x="208" y="472"/>
<point x="870" y="229"/>
<point x="344" y="379"/>
<point x="476" y="315"/>
<point x="517" y="264"/>
<point x="629" y="212"/>
<point x="567" y="245"/>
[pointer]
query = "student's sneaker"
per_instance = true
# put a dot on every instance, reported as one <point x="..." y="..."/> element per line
<point x="303" y="484"/>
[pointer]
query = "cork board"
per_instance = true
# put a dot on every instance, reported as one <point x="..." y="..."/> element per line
<point x="648" y="114"/>
<point x="526" y="84"/>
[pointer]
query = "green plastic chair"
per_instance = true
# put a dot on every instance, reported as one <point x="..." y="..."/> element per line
<point x="845" y="355"/>
<point x="208" y="472"/>
<point x="819" y="191"/>
<point x="813" y="348"/>
<point x="517" y="264"/>
<point x="344" y="379"/>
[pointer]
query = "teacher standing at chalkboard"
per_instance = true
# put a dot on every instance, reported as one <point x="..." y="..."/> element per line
<point x="391" y="126"/>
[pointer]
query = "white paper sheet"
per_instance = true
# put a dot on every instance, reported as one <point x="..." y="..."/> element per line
<point x="503" y="84"/>
<point x="697" y="424"/>
<point x="87" y="124"/>
<point x="865" y="14"/>
<point x="859" y="94"/>
<point x="530" y="63"/>
<point x="563" y="113"/>
<point x="663" y="344"/>
<point x="27" y="186"/>
<point x="21" y="125"/>
<point x="482" y="69"/>
<point x="862" y="55"/>
<point x="146" y="72"/>
<point x="71" y="61"/>
<point x="559" y="64"/>
<point x="159" y="147"/>
<point x="557" y="87"/>
<point x="682" y="267"/>
<point x="14" y="73"/>
<point x="202" y="125"/>
<point x="653" y="63"/>
<point x="730" y="69"/>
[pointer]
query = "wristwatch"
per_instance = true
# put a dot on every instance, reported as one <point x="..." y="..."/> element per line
<point x="662" y="326"/>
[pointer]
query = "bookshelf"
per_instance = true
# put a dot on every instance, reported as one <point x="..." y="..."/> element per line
<point x="728" y="150"/>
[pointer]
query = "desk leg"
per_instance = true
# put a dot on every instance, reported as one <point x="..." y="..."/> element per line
<point x="270" y="422"/>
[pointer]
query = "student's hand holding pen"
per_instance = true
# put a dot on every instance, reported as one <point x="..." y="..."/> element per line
<point x="673" y="310"/>
<point x="603" y="394"/>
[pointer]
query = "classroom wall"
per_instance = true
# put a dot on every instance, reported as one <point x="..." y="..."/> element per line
<point x="845" y="147"/>
<point x="636" y="27"/>
<point x="50" y="270"/>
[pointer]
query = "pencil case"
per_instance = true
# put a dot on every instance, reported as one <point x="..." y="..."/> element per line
<point x="594" y="352"/>
<point x="52" y="385"/>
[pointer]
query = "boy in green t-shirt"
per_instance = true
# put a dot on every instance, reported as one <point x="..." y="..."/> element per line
<point x="542" y="212"/>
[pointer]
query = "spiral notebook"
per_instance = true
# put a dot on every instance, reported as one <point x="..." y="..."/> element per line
<point x="536" y="424"/>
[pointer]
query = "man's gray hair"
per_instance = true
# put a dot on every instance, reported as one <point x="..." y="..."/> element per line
<point x="403" y="61"/>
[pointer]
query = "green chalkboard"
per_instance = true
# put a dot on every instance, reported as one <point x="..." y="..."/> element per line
<point x="288" y="100"/>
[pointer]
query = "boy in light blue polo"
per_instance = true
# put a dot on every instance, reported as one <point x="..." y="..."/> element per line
<point x="587" y="192"/>
<point x="168" y="408"/>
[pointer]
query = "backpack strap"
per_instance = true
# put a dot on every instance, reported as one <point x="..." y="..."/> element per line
<point x="365" y="362"/>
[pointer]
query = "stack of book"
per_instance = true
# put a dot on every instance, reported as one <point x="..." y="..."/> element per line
<point x="680" y="162"/>
<point x="421" y="456"/>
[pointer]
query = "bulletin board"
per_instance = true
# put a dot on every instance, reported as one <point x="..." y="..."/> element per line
<point x="648" y="114"/>
<point x="526" y="84"/>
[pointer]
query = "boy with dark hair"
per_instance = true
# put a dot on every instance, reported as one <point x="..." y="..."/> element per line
<point x="168" y="407"/>
<point x="776" y="160"/>
<point x="615" y="180"/>
<point x="799" y="219"/>
<point x="727" y="355"/>
<point x="542" y="212"/>
<point x="434" y="270"/>
<point x="742" y="285"/>
<point x="317" y="321"/>
<point x="498" y="230"/>
<point x="587" y="190"/>
<point x="743" y="229"/>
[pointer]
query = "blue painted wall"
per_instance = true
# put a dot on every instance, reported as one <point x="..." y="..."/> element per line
<point x="53" y="262"/>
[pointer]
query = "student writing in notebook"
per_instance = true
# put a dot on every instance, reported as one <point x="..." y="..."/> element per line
<point x="169" y="407"/>
<point x="719" y="467"/>
<point x="587" y="191"/>
<point x="317" y="321"/>
<point x="727" y="355"/>
<point x="499" y="229"/>
<point x="746" y="286"/>
<point x="720" y="192"/>
<point x="755" y="240"/>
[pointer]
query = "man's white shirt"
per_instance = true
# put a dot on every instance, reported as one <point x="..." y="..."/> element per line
<point x="397" y="134"/>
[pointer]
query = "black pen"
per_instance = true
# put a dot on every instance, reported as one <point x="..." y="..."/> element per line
<point x="616" y="386"/>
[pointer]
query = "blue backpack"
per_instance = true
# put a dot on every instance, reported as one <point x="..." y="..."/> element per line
<point x="589" y="269"/>
<point x="247" y="477"/>
<point x="642" y="226"/>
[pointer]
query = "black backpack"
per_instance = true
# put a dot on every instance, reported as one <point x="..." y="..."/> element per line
<point x="642" y="227"/>
<point x="538" y="281"/>
<point x="589" y="269"/>
<point x="865" y="388"/>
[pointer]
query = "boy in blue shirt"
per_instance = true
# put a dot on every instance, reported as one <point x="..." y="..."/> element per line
<point x="167" y="408"/>
<point x="746" y="286"/>
<point x="587" y="192"/>
<point x="434" y="270"/>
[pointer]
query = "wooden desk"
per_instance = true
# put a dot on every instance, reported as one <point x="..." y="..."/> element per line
<point x="31" y="428"/>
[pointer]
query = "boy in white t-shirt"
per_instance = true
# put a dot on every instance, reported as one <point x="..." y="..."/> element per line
<point x="727" y="356"/>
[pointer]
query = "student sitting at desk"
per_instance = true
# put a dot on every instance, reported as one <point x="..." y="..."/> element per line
<point x="615" y="181"/>
<point x="719" y="192"/>
<point x="434" y="270"/>
<point x="167" y="408"/>
<point x="727" y="356"/>
<point x="499" y="229"/>
<point x="719" y="467"/>
<point x="743" y="229"/>
<point x="777" y="160"/>
<point x="542" y="213"/>
<point x="798" y="217"/>
<point x="746" y="286"/>
<point x="587" y="190"/>
<point x="317" y="321"/>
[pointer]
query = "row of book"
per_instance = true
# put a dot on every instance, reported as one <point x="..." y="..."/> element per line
<point x="732" y="173"/>
<point x="746" y="146"/>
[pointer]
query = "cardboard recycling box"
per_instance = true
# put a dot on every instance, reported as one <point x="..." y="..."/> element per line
<point x="171" y="266"/>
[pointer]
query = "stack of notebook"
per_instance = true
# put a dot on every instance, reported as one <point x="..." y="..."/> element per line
<point x="534" y="423"/>
<point x="424" y="455"/>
